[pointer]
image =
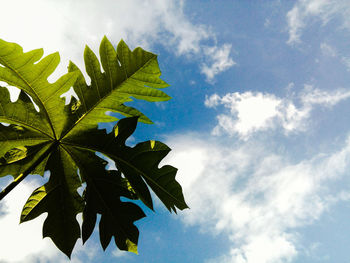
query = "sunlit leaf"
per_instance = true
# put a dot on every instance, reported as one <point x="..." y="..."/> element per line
<point x="65" y="139"/>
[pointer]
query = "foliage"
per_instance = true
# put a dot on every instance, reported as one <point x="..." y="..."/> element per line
<point x="64" y="139"/>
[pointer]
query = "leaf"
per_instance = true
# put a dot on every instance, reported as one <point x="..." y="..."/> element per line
<point x="22" y="112"/>
<point x="102" y="195"/>
<point x="17" y="160"/>
<point x="139" y="164"/>
<point x="142" y="162"/>
<point x="58" y="197"/>
<point x="14" y="155"/>
<point x="27" y="129"/>
<point x="65" y="140"/>
<point x="20" y="71"/>
<point x="137" y="76"/>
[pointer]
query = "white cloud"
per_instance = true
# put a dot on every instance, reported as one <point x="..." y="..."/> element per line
<point x="253" y="111"/>
<point x="250" y="112"/>
<point x="120" y="253"/>
<point x="68" y="25"/>
<point x="219" y="61"/>
<point x="312" y="96"/>
<point x="259" y="199"/>
<point x="295" y="23"/>
<point x="305" y="12"/>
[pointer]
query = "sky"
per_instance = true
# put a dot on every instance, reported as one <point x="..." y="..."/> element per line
<point x="258" y="125"/>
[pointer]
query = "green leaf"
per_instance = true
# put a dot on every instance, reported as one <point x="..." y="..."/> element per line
<point x="20" y="71"/>
<point x="138" y="164"/>
<point x="137" y="76"/>
<point x="26" y="130"/>
<point x="23" y="113"/>
<point x="103" y="192"/>
<point x="142" y="161"/>
<point x="14" y="155"/>
<point x="58" y="197"/>
<point x="65" y="140"/>
<point x="20" y="159"/>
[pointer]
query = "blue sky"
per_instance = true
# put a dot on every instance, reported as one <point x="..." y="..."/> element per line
<point x="258" y="124"/>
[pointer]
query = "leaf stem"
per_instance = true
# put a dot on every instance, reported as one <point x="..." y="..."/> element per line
<point x="23" y="175"/>
<point x="12" y="185"/>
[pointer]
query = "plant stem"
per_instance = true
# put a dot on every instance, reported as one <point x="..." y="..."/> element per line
<point x="12" y="185"/>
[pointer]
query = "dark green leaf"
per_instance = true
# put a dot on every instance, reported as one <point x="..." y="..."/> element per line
<point x="58" y="197"/>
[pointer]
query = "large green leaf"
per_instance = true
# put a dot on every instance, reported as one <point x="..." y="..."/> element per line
<point x="102" y="195"/>
<point x="65" y="139"/>
<point x="58" y="197"/>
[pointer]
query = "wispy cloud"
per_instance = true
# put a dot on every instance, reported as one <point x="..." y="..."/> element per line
<point x="346" y="62"/>
<point x="70" y="25"/>
<point x="219" y="61"/>
<point x="255" y="196"/>
<point x="120" y="253"/>
<point x="305" y="12"/>
<point x="251" y="112"/>
<point x="328" y="50"/>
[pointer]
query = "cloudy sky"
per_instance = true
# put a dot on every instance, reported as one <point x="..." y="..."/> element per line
<point x="259" y="125"/>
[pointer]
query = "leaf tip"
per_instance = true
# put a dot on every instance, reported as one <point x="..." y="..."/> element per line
<point x="116" y="131"/>
<point x="87" y="50"/>
<point x="71" y="66"/>
<point x="132" y="247"/>
<point x="105" y="39"/>
<point x="123" y="44"/>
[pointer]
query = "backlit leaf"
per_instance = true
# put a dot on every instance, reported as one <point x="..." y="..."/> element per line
<point x="65" y="140"/>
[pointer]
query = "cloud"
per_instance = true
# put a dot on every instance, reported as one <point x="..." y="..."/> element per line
<point x="20" y="243"/>
<point x="120" y="253"/>
<point x="346" y="62"/>
<point x="254" y="111"/>
<point x="219" y="61"/>
<point x="295" y="24"/>
<point x="257" y="197"/>
<point x="305" y="12"/>
<point x="328" y="50"/>
<point x="68" y="25"/>
<point x="250" y="112"/>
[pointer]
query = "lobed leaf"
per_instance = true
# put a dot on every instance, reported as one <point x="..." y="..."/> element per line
<point x="65" y="139"/>
<point x="102" y="195"/>
<point x="58" y="197"/>
<point x="138" y="164"/>
<point x="24" y="71"/>
<point x="137" y="76"/>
